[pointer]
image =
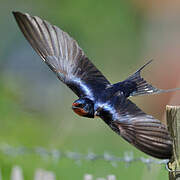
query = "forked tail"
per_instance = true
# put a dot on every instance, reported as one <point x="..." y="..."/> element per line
<point x="135" y="85"/>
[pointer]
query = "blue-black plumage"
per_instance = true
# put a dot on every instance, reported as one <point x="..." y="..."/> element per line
<point x="97" y="96"/>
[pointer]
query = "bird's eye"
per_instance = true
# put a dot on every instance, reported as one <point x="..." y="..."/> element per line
<point x="80" y="105"/>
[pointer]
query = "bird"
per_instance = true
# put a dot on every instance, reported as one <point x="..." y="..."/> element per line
<point x="97" y="97"/>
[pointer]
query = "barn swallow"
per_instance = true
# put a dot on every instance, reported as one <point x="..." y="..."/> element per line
<point x="97" y="96"/>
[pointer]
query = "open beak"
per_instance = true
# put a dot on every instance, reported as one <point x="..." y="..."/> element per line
<point x="75" y="104"/>
<point x="74" y="107"/>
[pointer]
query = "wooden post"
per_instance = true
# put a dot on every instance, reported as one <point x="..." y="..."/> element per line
<point x="173" y="123"/>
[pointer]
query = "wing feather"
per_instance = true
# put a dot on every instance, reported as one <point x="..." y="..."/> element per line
<point x="141" y="130"/>
<point x="63" y="55"/>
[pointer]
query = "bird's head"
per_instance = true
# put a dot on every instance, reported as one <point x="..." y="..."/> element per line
<point x="84" y="107"/>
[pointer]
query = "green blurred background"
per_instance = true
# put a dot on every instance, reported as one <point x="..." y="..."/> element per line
<point x="35" y="108"/>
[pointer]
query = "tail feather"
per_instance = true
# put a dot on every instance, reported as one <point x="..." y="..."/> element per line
<point x="142" y="87"/>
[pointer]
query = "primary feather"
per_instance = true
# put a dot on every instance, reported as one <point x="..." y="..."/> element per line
<point x="63" y="55"/>
<point x="139" y="129"/>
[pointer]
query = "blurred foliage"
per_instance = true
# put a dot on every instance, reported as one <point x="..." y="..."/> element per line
<point x="110" y="34"/>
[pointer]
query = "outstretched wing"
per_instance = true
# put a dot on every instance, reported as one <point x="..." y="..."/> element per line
<point x="141" y="130"/>
<point x="63" y="55"/>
